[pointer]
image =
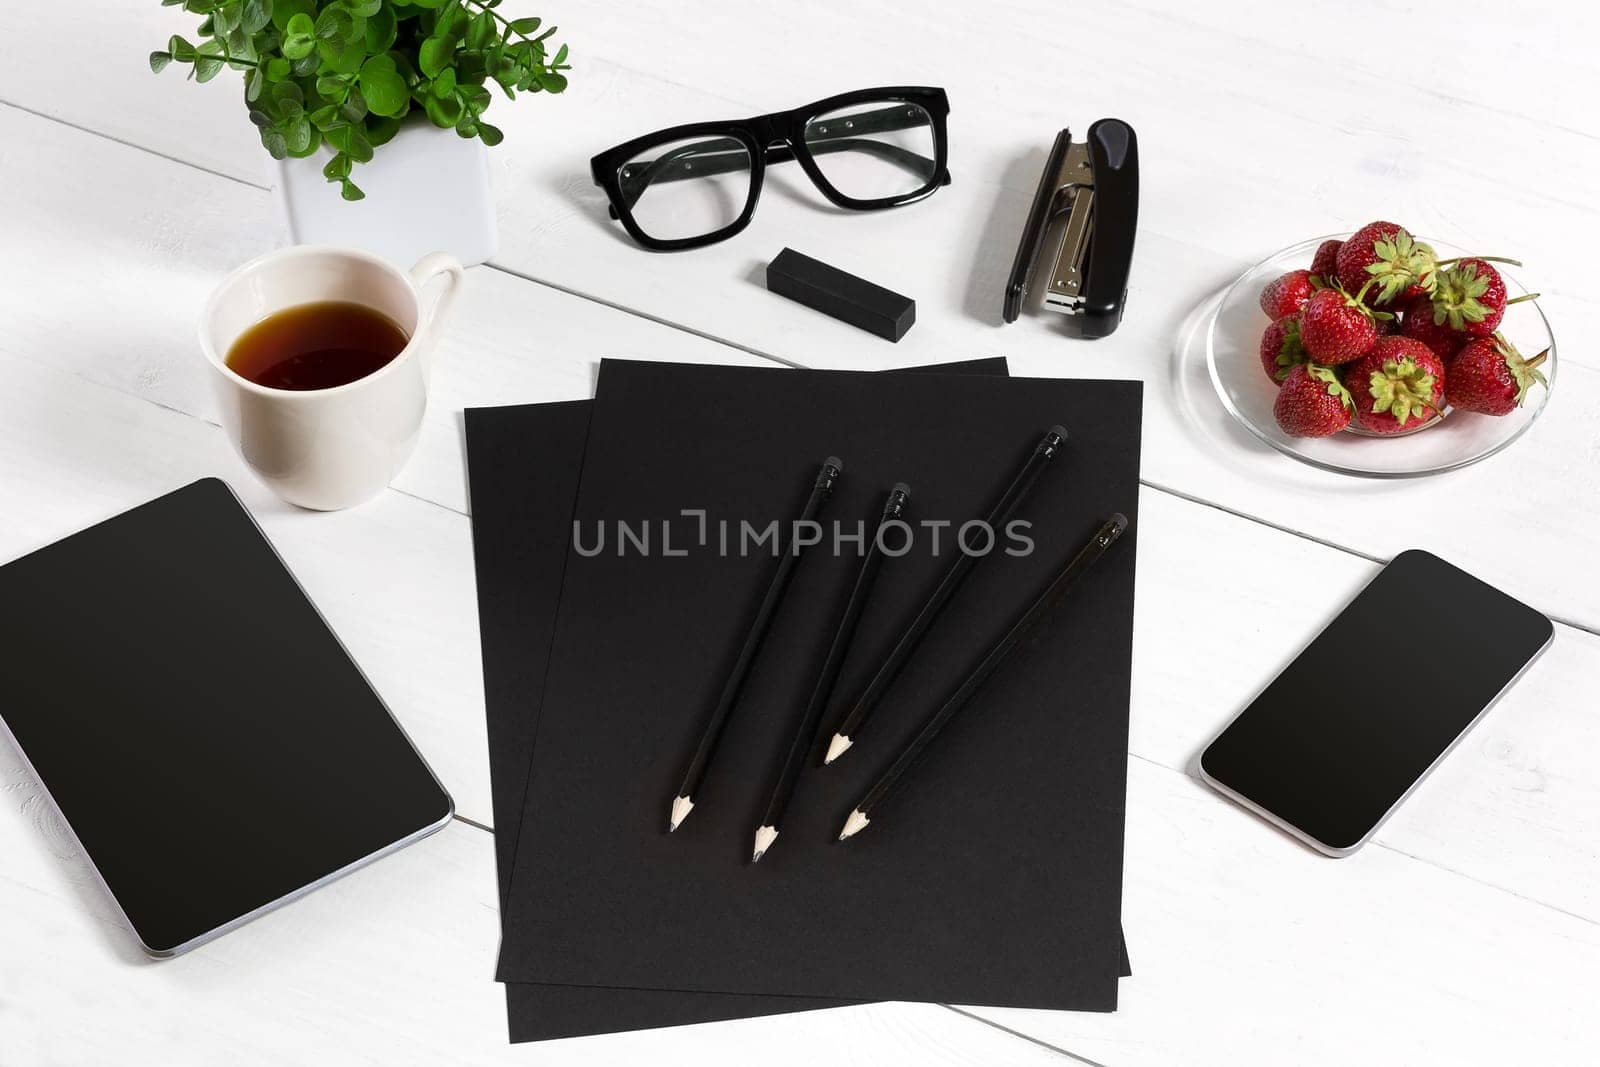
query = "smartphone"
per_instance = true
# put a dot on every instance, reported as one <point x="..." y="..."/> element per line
<point x="1332" y="745"/>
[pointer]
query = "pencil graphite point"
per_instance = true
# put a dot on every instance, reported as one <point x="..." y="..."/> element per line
<point x="764" y="839"/>
<point x="837" y="747"/>
<point x="681" y="807"/>
<point x="856" y="823"/>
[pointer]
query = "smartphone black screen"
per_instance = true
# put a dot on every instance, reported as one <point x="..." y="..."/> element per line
<point x="1338" y="739"/>
<point x="207" y="738"/>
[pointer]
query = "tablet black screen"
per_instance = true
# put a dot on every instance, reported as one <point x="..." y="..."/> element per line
<point x="207" y="738"/>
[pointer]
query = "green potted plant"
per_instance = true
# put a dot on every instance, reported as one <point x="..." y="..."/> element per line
<point x="383" y="100"/>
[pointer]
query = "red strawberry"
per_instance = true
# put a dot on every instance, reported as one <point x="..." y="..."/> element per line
<point x="1470" y="297"/>
<point x="1423" y="323"/>
<point x="1287" y="295"/>
<point x="1397" y="386"/>
<point x="1325" y="264"/>
<point x="1490" y="376"/>
<point x="1312" y="402"/>
<point x="1336" y="327"/>
<point x="1384" y="252"/>
<point x="1281" y="350"/>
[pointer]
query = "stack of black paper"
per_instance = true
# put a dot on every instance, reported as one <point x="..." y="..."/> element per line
<point x="616" y="584"/>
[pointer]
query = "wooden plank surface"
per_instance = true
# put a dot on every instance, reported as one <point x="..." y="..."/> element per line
<point x="1212" y="895"/>
<point x="1232" y="172"/>
<point x="1466" y="934"/>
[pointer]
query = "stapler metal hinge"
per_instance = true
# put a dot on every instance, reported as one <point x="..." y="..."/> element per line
<point x="1088" y="199"/>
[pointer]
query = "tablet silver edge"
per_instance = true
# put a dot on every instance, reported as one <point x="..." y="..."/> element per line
<point x="235" y="923"/>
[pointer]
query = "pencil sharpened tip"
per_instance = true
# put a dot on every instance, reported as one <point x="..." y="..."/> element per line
<point x="853" y="825"/>
<point x="837" y="747"/>
<point x="764" y="839"/>
<point x="681" y="807"/>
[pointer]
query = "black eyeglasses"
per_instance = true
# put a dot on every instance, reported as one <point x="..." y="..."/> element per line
<point x="693" y="185"/>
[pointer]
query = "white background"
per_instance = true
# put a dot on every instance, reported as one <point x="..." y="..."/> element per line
<point x="1465" y="934"/>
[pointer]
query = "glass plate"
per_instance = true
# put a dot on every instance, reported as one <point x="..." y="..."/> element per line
<point x="1233" y="337"/>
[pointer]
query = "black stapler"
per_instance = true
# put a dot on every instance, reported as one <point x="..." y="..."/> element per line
<point x="1089" y="192"/>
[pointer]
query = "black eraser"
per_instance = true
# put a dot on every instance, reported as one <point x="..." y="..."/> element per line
<point x="902" y="487"/>
<point x="843" y="296"/>
<point x="1059" y="430"/>
<point x="835" y="462"/>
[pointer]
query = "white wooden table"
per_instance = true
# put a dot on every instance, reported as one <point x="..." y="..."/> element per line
<point x="1467" y="933"/>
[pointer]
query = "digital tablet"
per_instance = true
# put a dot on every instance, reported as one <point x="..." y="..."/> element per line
<point x="202" y="731"/>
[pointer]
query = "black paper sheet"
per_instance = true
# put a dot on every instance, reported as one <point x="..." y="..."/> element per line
<point x="948" y="901"/>
<point x="525" y="462"/>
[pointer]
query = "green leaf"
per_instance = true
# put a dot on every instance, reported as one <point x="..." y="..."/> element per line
<point x="490" y="135"/>
<point x="337" y="168"/>
<point x="561" y="56"/>
<point x="301" y="137"/>
<point x="275" y="143"/>
<point x="181" y="50"/>
<point x="364" y="8"/>
<point x="526" y="26"/>
<point x="253" y="84"/>
<point x="382" y="30"/>
<point x="306" y="65"/>
<point x="288" y="93"/>
<point x="352" y="142"/>
<point x="453" y="19"/>
<point x="445" y="83"/>
<point x="444" y="113"/>
<point x="340" y="58"/>
<point x="284" y="10"/>
<point x="383" y="87"/>
<point x="381" y="130"/>
<point x="299" y="38"/>
<point x="434" y="55"/>
<point x="552" y="81"/>
<point x="333" y="87"/>
<point x="208" y="62"/>
<point x="354" y="108"/>
<point x="325" y="116"/>
<point x="480" y="31"/>
<point x="255" y="15"/>
<point x="277" y="68"/>
<point x="360" y="148"/>
<point x="334" y="24"/>
<point x="349" y="191"/>
<point x="159" y="61"/>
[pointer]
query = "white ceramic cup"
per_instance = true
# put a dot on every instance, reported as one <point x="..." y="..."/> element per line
<point x="328" y="448"/>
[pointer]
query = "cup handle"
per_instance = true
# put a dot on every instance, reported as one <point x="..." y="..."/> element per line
<point x="429" y="267"/>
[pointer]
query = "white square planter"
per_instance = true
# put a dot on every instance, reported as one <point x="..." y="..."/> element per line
<point x="427" y="191"/>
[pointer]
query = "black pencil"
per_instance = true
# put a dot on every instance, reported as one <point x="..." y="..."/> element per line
<point x="863" y="812"/>
<point x="683" y="801"/>
<point x="1004" y="508"/>
<point x="805" y="735"/>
